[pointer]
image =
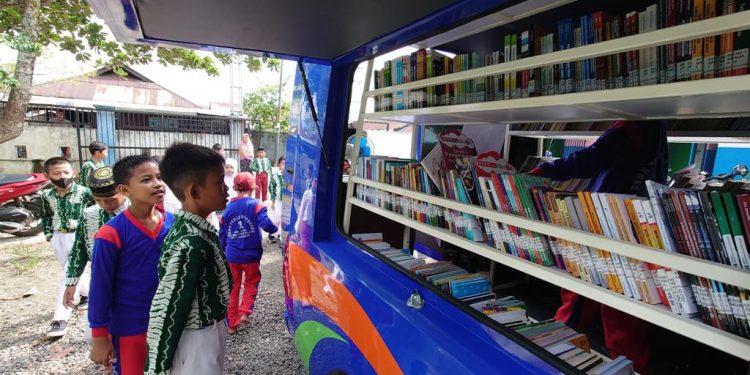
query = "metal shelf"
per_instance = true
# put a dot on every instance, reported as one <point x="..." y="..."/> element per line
<point x="684" y="263"/>
<point x="718" y="25"/>
<point x="656" y="314"/>
<point x="705" y="136"/>
<point x="718" y="97"/>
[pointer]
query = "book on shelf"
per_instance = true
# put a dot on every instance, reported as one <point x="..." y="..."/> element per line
<point x="703" y="58"/>
<point x="710" y="223"/>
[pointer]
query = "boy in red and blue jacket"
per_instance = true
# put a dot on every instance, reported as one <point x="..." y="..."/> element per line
<point x="124" y="268"/>
<point x="241" y="239"/>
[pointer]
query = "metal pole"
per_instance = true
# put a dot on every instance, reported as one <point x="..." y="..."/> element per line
<point x="355" y="151"/>
<point x="278" y="110"/>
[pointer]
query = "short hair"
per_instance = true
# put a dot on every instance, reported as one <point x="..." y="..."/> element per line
<point x="279" y="160"/>
<point x="57" y="160"/>
<point x="187" y="162"/>
<point x="217" y="147"/>
<point x="97" y="146"/>
<point x="123" y="169"/>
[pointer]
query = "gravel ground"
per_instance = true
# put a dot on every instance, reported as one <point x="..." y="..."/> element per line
<point x="262" y="347"/>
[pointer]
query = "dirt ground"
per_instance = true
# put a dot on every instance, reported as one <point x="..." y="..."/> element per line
<point x="263" y="347"/>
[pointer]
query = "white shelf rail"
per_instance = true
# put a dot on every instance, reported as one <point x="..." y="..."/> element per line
<point x="684" y="263"/>
<point x="694" y="30"/>
<point x="705" y="136"/>
<point x="656" y="314"/>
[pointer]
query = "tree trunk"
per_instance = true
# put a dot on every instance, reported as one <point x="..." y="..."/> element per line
<point x="14" y="113"/>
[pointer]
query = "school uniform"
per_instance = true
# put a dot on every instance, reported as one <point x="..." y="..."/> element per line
<point x="60" y="216"/>
<point x="274" y="190"/>
<point x="187" y="332"/>
<point x="86" y="169"/>
<point x="124" y="280"/>
<point x="241" y="239"/>
<point x="262" y="168"/>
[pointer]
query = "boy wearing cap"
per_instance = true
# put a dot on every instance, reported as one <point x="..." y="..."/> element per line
<point x="109" y="203"/>
<point x="262" y="168"/>
<point x="241" y="239"/>
<point x="99" y="151"/>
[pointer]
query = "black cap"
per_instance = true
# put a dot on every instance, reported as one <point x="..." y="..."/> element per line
<point x="102" y="182"/>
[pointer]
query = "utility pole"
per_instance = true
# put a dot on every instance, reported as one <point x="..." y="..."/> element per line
<point x="278" y="111"/>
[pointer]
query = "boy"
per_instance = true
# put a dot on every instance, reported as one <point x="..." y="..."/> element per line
<point x="242" y="240"/>
<point x="274" y="190"/>
<point x="262" y="168"/>
<point x="99" y="152"/>
<point x="186" y="331"/>
<point x="62" y="206"/>
<point x="219" y="148"/>
<point x="109" y="203"/>
<point x="123" y="268"/>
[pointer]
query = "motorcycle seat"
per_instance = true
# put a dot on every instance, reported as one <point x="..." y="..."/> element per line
<point x="6" y="179"/>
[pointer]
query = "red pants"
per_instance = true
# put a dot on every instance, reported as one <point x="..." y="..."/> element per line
<point x="261" y="183"/>
<point x="130" y="354"/>
<point x="236" y="308"/>
<point x="624" y="334"/>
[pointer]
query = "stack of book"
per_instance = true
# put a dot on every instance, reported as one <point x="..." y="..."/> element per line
<point x="703" y="58"/>
<point x="711" y="224"/>
<point x="509" y="310"/>
<point x="447" y="276"/>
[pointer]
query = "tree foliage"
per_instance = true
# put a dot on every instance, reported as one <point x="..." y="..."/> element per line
<point x="70" y="25"/>
<point x="261" y="106"/>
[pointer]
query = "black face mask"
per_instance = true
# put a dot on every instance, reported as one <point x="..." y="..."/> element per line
<point x="62" y="183"/>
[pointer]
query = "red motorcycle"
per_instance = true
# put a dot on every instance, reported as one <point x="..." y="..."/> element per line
<point x="21" y="203"/>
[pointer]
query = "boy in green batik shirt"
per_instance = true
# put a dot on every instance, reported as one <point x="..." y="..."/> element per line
<point x="187" y="329"/>
<point x="274" y="190"/>
<point x="99" y="152"/>
<point x="109" y="203"/>
<point x="261" y="166"/>
<point x="62" y="206"/>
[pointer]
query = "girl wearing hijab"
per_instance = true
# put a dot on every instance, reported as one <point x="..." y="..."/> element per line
<point x="230" y="172"/>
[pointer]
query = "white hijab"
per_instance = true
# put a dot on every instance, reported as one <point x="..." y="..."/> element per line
<point x="229" y="179"/>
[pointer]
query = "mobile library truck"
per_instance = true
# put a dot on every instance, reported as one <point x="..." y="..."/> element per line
<point x="443" y="257"/>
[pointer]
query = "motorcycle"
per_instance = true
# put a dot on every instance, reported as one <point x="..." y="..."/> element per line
<point x="21" y="203"/>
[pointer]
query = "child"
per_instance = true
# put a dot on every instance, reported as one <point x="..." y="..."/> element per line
<point x="62" y="206"/>
<point x="99" y="152"/>
<point x="219" y="148"/>
<point x="230" y="172"/>
<point x="123" y="268"/>
<point x="262" y="168"/>
<point x="274" y="190"/>
<point x="109" y="203"/>
<point x="187" y="332"/>
<point x="241" y="239"/>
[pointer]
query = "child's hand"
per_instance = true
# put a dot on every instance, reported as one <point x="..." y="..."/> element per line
<point x="102" y="352"/>
<point x="69" y="296"/>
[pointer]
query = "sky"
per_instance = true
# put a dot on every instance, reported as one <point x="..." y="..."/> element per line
<point x="196" y="86"/>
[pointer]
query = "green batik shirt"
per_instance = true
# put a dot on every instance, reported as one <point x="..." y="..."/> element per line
<point x="92" y="219"/>
<point x="261" y="165"/>
<point x="88" y="167"/>
<point x="61" y="213"/>
<point x="275" y="186"/>
<point x="193" y="291"/>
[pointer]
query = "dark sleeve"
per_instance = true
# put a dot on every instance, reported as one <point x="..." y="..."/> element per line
<point x="46" y="214"/>
<point x="223" y="232"/>
<point x="79" y="254"/>
<point x="592" y="160"/>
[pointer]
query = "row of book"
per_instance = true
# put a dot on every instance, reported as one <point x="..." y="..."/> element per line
<point x="474" y="289"/>
<point x="704" y="124"/>
<point x="703" y="58"/>
<point x="454" y="280"/>
<point x="711" y="225"/>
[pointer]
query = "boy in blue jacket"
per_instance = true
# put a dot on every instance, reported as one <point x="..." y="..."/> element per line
<point x="241" y="239"/>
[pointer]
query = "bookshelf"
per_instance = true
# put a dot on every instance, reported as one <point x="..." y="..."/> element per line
<point x="705" y="98"/>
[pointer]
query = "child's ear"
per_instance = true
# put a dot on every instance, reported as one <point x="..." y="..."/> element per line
<point x="124" y="190"/>
<point x="194" y="191"/>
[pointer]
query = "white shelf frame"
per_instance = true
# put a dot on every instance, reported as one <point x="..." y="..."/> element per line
<point x="718" y="136"/>
<point x="684" y="263"/>
<point x="656" y="314"/>
<point x="694" y="30"/>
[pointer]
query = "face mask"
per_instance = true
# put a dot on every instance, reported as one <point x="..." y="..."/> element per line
<point x="62" y="183"/>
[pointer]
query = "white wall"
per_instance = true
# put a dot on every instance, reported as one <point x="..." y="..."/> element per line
<point x="42" y="142"/>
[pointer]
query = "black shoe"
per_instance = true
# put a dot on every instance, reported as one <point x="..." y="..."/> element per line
<point x="83" y="302"/>
<point x="58" y="328"/>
